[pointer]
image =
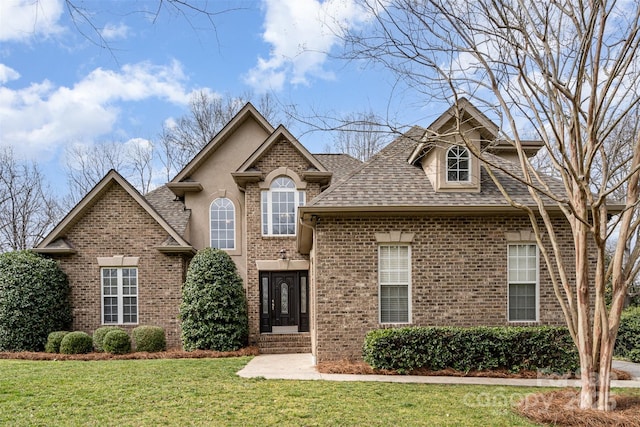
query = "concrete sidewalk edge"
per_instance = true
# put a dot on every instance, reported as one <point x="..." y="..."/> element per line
<point x="301" y="367"/>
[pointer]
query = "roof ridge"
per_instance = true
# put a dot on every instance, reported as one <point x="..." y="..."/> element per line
<point x="380" y="154"/>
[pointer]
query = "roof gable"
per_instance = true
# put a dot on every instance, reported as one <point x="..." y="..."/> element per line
<point x="280" y="133"/>
<point x="247" y="112"/>
<point x="50" y="245"/>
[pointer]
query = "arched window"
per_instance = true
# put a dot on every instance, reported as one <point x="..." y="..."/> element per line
<point x="458" y="164"/>
<point x="223" y="224"/>
<point x="280" y="207"/>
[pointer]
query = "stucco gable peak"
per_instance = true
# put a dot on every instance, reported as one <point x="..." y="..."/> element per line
<point x="97" y="192"/>
<point x="247" y="112"/>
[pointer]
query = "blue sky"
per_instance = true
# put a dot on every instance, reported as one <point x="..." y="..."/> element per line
<point x="59" y="87"/>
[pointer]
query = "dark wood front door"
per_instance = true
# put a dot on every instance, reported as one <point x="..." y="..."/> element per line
<point x="284" y="300"/>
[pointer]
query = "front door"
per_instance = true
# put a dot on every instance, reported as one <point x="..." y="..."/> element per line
<point x="283" y="300"/>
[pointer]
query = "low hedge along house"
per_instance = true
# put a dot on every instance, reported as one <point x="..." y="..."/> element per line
<point x="328" y="247"/>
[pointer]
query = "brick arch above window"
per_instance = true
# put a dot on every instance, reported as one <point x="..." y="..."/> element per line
<point x="282" y="171"/>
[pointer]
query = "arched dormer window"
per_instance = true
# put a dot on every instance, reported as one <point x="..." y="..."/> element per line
<point x="223" y="224"/>
<point x="458" y="164"/>
<point x="280" y="207"/>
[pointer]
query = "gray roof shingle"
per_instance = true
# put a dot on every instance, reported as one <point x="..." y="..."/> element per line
<point x="172" y="210"/>
<point x="340" y="164"/>
<point x="388" y="180"/>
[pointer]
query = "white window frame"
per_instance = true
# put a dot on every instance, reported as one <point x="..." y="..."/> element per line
<point x="511" y="281"/>
<point x="119" y="295"/>
<point x="458" y="169"/>
<point x="232" y="228"/>
<point x="266" y="200"/>
<point x="408" y="284"/>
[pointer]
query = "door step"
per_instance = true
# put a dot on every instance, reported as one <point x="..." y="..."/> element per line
<point x="284" y="343"/>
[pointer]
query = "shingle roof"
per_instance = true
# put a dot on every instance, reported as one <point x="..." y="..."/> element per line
<point x="173" y="211"/>
<point x="389" y="180"/>
<point x="340" y="164"/>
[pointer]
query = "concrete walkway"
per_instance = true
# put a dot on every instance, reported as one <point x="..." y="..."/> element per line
<point x="300" y="367"/>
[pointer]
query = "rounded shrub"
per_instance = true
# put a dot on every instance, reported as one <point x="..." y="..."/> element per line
<point x="99" y="334"/>
<point x="629" y="333"/>
<point x="117" y="342"/>
<point x="76" y="343"/>
<point x="149" y="338"/>
<point x="34" y="301"/>
<point x="53" y="341"/>
<point x="214" y="307"/>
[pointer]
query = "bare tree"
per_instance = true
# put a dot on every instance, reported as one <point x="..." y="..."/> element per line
<point x="570" y="71"/>
<point x="361" y="135"/>
<point x="86" y="165"/>
<point x="208" y="113"/>
<point x="27" y="207"/>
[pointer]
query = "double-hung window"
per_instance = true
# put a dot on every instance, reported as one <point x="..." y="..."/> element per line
<point x="120" y="295"/>
<point x="523" y="282"/>
<point x="223" y="228"/>
<point x="394" y="277"/>
<point x="280" y="207"/>
<point x="458" y="164"/>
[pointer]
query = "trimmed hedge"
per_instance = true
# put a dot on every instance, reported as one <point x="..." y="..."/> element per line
<point x="76" y="343"/>
<point x="53" y="341"/>
<point x="470" y="349"/>
<point x="34" y="301"/>
<point x="149" y="338"/>
<point x="628" y="340"/>
<point x="117" y="342"/>
<point x="214" y="307"/>
<point x="99" y="334"/>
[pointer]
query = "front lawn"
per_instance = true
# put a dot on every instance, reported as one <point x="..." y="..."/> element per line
<point x="207" y="392"/>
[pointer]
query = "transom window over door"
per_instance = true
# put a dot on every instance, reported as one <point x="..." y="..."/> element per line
<point x="458" y="164"/>
<point x="223" y="224"/>
<point x="523" y="282"/>
<point x="394" y="275"/>
<point x="119" y="295"/>
<point x="280" y="207"/>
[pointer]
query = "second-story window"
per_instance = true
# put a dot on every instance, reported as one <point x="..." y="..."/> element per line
<point x="223" y="224"/>
<point x="280" y="207"/>
<point x="458" y="164"/>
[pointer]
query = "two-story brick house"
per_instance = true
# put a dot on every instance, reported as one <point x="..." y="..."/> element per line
<point x="328" y="247"/>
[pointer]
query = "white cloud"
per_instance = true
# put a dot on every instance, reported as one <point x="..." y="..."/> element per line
<point x="7" y="74"/>
<point x="301" y="34"/>
<point x="41" y="117"/>
<point x="115" y="31"/>
<point x="20" y="20"/>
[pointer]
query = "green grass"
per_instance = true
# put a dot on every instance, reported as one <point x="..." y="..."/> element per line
<point x="208" y="392"/>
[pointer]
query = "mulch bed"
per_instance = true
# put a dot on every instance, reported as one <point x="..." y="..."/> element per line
<point x="362" y="368"/>
<point x="169" y="354"/>
<point x="561" y="408"/>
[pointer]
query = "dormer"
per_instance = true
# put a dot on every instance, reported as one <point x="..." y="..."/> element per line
<point x="446" y="149"/>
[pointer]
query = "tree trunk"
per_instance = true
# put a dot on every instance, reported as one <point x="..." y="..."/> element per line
<point x="604" y="376"/>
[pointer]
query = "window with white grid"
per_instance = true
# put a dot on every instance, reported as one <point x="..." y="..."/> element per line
<point x="280" y="207"/>
<point x="394" y="276"/>
<point x="523" y="282"/>
<point x="120" y="295"/>
<point x="223" y="224"/>
<point x="458" y="164"/>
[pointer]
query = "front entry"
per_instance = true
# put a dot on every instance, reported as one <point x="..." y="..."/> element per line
<point x="284" y="301"/>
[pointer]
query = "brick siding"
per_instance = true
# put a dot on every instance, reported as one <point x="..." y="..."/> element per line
<point x="117" y="225"/>
<point x="281" y="154"/>
<point x="458" y="276"/>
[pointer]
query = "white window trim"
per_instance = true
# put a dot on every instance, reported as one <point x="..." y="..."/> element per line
<point x="233" y="205"/>
<point x="446" y="164"/>
<point x="119" y="296"/>
<point x="409" y="286"/>
<point x="537" y="319"/>
<point x="299" y="200"/>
